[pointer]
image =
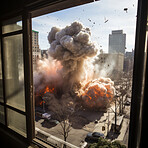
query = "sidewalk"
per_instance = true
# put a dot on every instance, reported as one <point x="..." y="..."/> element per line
<point x="106" y="122"/>
<point x="123" y="129"/>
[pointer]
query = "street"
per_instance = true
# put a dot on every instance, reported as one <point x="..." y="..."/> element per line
<point x="83" y="122"/>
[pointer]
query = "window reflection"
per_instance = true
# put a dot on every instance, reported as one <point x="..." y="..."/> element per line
<point x="2" y="116"/>
<point x="1" y="80"/>
<point x="14" y="71"/>
<point x="17" y="122"/>
<point x="11" y="25"/>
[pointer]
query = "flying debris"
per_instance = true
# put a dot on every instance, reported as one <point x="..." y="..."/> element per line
<point x="126" y="9"/>
<point x="89" y="20"/>
<point x="105" y="20"/>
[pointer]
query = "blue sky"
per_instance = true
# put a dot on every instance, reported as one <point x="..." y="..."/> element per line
<point x="101" y="17"/>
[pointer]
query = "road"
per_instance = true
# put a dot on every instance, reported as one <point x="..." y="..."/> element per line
<point x="82" y="124"/>
<point x="75" y="135"/>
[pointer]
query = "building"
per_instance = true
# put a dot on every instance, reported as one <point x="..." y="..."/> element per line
<point x="128" y="61"/>
<point x="35" y="47"/>
<point x="110" y="64"/>
<point x="117" y="42"/>
<point x="44" y="53"/>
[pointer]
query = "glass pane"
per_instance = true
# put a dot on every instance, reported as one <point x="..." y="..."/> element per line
<point x="17" y="122"/>
<point x="1" y="80"/>
<point x="2" y="116"/>
<point x="11" y="25"/>
<point x="14" y="71"/>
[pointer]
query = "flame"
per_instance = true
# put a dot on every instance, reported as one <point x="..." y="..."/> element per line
<point x="98" y="93"/>
<point x="47" y="89"/>
<point x="42" y="102"/>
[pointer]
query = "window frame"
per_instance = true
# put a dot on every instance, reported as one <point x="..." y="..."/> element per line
<point x="28" y="77"/>
<point x="139" y="77"/>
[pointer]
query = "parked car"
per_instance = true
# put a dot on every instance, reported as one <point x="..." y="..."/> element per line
<point x="54" y="121"/>
<point x="93" y="137"/>
<point x="127" y="103"/>
<point x="46" y="116"/>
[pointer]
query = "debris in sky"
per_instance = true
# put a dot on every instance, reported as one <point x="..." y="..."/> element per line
<point x="126" y="9"/>
<point x="89" y="20"/>
<point x="105" y="20"/>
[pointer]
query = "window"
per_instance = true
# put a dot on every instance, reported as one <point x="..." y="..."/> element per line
<point x="115" y="38"/>
<point x="14" y="112"/>
<point x="13" y="105"/>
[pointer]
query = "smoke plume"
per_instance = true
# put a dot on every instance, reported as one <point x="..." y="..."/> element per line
<point x="71" y="46"/>
<point x="47" y="74"/>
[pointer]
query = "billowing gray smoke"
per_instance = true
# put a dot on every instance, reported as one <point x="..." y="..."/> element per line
<point x="71" y="46"/>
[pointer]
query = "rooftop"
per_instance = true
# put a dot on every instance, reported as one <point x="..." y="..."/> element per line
<point x="35" y="31"/>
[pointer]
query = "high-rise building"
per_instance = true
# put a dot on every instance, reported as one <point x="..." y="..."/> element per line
<point x="35" y="47"/>
<point x="117" y="42"/>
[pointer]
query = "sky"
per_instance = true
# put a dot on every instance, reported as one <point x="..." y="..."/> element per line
<point x="101" y="17"/>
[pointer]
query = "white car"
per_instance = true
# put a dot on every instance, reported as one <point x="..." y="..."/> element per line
<point x="46" y="116"/>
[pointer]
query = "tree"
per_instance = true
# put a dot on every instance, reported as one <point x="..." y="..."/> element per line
<point x="62" y="114"/>
<point x="123" y="88"/>
<point x="63" y="109"/>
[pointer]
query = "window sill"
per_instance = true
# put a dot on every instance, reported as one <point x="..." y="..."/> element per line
<point x="41" y="144"/>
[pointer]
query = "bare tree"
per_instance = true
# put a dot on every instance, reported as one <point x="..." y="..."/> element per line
<point x="123" y="88"/>
<point x="63" y="111"/>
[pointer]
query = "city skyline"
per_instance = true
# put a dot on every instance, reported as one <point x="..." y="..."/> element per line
<point x="101" y="20"/>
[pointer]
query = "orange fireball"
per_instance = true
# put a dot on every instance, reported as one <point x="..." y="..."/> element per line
<point x="98" y="93"/>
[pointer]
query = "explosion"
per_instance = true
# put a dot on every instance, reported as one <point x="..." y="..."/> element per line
<point x="69" y="65"/>
<point x="98" y="93"/>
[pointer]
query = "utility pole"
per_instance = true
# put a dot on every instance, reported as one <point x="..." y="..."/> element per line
<point x="108" y="123"/>
<point x="115" y="114"/>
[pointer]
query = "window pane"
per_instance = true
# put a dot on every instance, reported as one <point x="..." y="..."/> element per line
<point x="2" y="116"/>
<point x="17" y="122"/>
<point x="11" y="25"/>
<point x="14" y="71"/>
<point x="1" y="80"/>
